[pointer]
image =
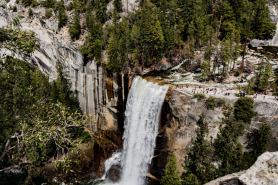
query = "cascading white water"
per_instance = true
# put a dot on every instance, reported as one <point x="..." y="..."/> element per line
<point x="142" y="113"/>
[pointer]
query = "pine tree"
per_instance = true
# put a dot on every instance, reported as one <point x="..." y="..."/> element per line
<point x="198" y="160"/>
<point x="156" y="39"/>
<point x="228" y="150"/>
<point x="62" y="17"/>
<point x="261" y="25"/>
<point x="118" y="5"/>
<point x="263" y="74"/>
<point x="171" y="175"/>
<point x="75" y="29"/>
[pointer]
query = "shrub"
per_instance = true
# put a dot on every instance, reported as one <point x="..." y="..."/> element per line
<point x="237" y="73"/>
<point x="30" y="12"/>
<point x="275" y="93"/>
<point x="171" y="176"/>
<point x="48" y="14"/>
<point x="48" y="3"/>
<point x="221" y="102"/>
<point x="17" y="1"/>
<point x="211" y="103"/>
<point x="70" y="7"/>
<point x="243" y="109"/>
<point x="7" y="1"/>
<point x="200" y="96"/>
<point x="13" y="8"/>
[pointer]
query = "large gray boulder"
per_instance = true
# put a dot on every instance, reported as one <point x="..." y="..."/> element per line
<point x="263" y="172"/>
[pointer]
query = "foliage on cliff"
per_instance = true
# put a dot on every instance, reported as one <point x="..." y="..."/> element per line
<point x="75" y="28"/>
<point x="243" y="109"/>
<point x="38" y="119"/>
<point x="171" y="176"/>
<point x="198" y="161"/>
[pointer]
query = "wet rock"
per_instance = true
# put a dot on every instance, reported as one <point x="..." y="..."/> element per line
<point x="114" y="173"/>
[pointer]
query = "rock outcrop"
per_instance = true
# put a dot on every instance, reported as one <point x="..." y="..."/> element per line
<point x="264" y="171"/>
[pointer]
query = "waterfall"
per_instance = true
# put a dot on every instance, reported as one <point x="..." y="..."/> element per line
<point x="142" y="115"/>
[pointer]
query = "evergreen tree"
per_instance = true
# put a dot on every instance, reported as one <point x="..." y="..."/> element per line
<point x="263" y="74"/>
<point x="198" y="160"/>
<point x="261" y="25"/>
<point x="171" y="175"/>
<point x="62" y="92"/>
<point x="243" y="109"/>
<point x="228" y="150"/>
<point x="257" y="141"/>
<point x="75" y="28"/>
<point x="94" y="44"/>
<point x="62" y="17"/>
<point x="225" y="57"/>
<point x="118" y="5"/>
<point x="156" y="39"/>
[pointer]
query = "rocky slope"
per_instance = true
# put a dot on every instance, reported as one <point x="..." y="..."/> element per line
<point x="264" y="171"/>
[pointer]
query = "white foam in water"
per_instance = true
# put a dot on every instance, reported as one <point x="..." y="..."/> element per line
<point x="143" y="108"/>
<point x="114" y="160"/>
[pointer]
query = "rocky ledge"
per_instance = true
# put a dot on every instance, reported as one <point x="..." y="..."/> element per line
<point x="264" y="171"/>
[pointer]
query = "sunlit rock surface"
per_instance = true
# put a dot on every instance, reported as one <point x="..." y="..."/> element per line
<point x="263" y="172"/>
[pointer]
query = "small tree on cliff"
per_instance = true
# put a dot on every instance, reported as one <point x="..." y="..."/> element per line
<point x="171" y="176"/>
<point x="75" y="29"/>
<point x="198" y="161"/>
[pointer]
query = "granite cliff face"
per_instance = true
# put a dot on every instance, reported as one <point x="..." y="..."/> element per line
<point x="179" y="128"/>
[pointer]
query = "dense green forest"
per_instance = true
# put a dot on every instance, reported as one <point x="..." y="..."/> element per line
<point x="164" y="28"/>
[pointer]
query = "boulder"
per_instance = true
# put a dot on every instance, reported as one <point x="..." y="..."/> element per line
<point x="264" y="171"/>
<point x="256" y="43"/>
<point x="114" y="173"/>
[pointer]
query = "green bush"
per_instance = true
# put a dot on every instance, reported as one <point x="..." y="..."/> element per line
<point x="13" y="8"/>
<point x="30" y="12"/>
<point x="48" y="3"/>
<point x="211" y="103"/>
<point x="48" y="14"/>
<point x="200" y="96"/>
<point x="7" y="1"/>
<point x="17" y="1"/>
<point x="275" y="93"/>
<point x="243" y="109"/>
<point x="237" y="73"/>
<point x="221" y="102"/>
<point x="70" y="7"/>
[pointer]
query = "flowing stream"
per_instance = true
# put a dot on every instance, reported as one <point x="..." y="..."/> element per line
<point x="142" y="115"/>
